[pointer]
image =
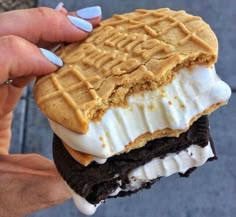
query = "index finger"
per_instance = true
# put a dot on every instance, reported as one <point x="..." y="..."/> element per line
<point x="42" y="24"/>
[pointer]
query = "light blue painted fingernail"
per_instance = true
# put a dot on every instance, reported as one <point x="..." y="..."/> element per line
<point x="59" y="6"/>
<point x="53" y="58"/>
<point x="81" y="24"/>
<point x="89" y="13"/>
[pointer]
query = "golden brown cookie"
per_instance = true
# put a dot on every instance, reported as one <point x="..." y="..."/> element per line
<point x="126" y="54"/>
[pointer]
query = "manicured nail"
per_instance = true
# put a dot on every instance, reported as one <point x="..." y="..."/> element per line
<point x="59" y="6"/>
<point x="89" y="13"/>
<point x="80" y="23"/>
<point x="53" y="58"/>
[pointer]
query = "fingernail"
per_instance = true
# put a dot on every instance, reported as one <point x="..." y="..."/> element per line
<point x="80" y="23"/>
<point x="53" y="58"/>
<point x="59" y="6"/>
<point x="89" y="13"/>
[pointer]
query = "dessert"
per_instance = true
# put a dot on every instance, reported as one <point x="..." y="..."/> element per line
<point x="130" y="103"/>
<point x="125" y="174"/>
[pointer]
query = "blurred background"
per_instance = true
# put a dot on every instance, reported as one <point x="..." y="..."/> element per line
<point x="210" y="190"/>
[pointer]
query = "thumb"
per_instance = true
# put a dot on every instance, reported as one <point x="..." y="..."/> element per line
<point x="29" y="183"/>
<point x="20" y="59"/>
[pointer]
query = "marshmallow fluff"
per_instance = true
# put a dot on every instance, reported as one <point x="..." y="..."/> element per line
<point x="193" y="156"/>
<point x="171" y="106"/>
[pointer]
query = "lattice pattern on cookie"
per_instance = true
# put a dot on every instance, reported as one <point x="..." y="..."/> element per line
<point x="124" y="51"/>
<point x="67" y="92"/>
<point x="113" y="35"/>
<point x="160" y="16"/>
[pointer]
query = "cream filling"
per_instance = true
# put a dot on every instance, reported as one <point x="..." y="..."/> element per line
<point x="172" y="106"/>
<point x="194" y="156"/>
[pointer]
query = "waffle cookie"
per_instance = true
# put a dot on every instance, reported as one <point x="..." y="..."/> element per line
<point x="137" y="79"/>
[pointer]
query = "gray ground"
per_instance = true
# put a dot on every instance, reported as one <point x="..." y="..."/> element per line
<point x="211" y="190"/>
<point x="7" y="5"/>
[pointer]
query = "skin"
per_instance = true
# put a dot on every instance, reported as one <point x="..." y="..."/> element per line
<point x="28" y="182"/>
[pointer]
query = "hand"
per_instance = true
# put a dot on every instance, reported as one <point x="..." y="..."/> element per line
<point x="31" y="182"/>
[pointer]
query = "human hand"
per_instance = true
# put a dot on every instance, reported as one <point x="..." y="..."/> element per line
<point x="31" y="182"/>
<point x="21" y="33"/>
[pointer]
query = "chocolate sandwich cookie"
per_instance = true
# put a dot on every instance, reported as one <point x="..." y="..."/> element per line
<point x="125" y="99"/>
<point x="97" y="182"/>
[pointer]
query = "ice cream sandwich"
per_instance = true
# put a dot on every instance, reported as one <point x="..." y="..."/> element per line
<point x="130" y="104"/>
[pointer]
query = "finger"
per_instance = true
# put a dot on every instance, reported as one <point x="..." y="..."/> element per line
<point x="23" y="81"/>
<point x="21" y="61"/>
<point x="44" y="24"/>
<point x="63" y="10"/>
<point x="28" y="163"/>
<point x="5" y="133"/>
<point x="22" y="194"/>
<point x="21" y="58"/>
<point x="93" y="21"/>
<point x="91" y="14"/>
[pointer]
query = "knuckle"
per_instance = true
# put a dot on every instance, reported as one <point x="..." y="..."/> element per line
<point x="48" y="18"/>
<point x="43" y="12"/>
<point x="13" y="42"/>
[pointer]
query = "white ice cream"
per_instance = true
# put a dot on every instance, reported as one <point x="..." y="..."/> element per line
<point x="82" y="204"/>
<point x="172" y="106"/>
<point x="194" y="156"/>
